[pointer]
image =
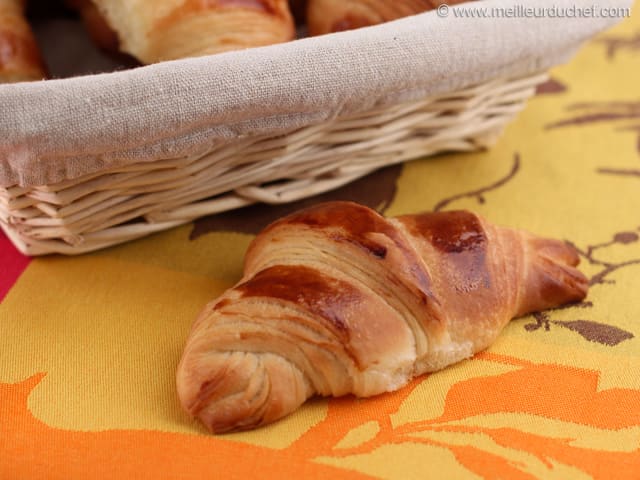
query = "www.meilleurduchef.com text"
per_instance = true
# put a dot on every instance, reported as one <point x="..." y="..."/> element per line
<point x="528" y="11"/>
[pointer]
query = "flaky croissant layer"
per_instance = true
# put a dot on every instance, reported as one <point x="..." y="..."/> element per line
<point x="154" y="31"/>
<point x="336" y="299"/>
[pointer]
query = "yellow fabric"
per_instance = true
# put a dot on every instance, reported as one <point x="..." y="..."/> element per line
<point x="89" y="345"/>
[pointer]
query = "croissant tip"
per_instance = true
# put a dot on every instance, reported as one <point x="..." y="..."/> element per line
<point x="238" y="390"/>
<point x="554" y="279"/>
<point x="557" y="250"/>
<point x="566" y="256"/>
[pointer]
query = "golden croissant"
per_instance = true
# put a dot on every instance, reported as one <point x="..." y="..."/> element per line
<point x="157" y="30"/>
<point x="336" y="299"/>
<point x="20" y="58"/>
<point x="328" y="16"/>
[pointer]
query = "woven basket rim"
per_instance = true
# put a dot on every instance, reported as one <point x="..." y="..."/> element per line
<point x="256" y="93"/>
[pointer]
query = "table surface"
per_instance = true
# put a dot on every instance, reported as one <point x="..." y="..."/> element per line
<point x="89" y="344"/>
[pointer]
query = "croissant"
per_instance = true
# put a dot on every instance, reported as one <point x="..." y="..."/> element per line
<point x="328" y="16"/>
<point x="157" y="30"/>
<point x="20" y="58"/>
<point x="336" y="299"/>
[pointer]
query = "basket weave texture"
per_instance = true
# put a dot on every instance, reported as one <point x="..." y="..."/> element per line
<point x="93" y="161"/>
<point x="131" y="201"/>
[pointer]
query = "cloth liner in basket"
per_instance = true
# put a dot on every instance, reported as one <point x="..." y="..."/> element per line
<point x="92" y="161"/>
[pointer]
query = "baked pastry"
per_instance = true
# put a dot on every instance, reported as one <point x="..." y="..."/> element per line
<point x="154" y="31"/>
<point x="336" y="299"/>
<point x="328" y="16"/>
<point x="20" y="58"/>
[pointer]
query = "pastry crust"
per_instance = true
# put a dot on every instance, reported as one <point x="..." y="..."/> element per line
<point x="336" y="299"/>
<point x="20" y="58"/>
<point x="154" y="31"/>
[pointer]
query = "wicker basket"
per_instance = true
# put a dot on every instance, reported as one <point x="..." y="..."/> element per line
<point x="121" y="204"/>
<point x="124" y="203"/>
<point x="292" y="121"/>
